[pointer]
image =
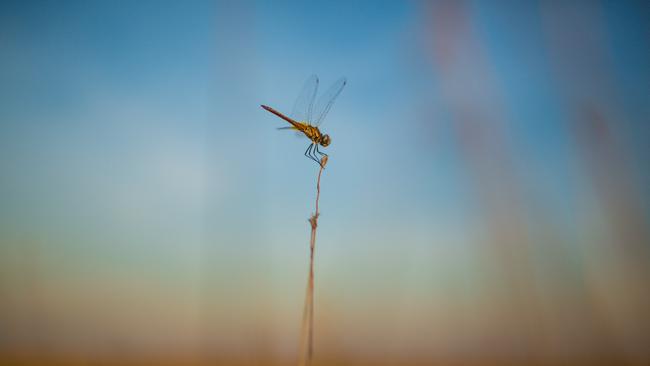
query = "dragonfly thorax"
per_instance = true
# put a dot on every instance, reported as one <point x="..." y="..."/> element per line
<point x="314" y="134"/>
<point x="311" y="132"/>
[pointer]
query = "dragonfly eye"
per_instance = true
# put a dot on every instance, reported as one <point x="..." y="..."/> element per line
<point x="325" y="140"/>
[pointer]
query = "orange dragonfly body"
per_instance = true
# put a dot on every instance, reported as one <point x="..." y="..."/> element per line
<point x="301" y="117"/>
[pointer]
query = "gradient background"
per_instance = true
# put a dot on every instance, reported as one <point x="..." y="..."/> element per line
<point x="486" y="201"/>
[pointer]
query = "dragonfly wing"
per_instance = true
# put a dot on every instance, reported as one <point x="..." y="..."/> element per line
<point x="326" y="101"/>
<point x="302" y="109"/>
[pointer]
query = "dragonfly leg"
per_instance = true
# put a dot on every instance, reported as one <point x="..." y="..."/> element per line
<point x="322" y="154"/>
<point x="313" y="154"/>
<point x="308" y="149"/>
<point x="309" y="153"/>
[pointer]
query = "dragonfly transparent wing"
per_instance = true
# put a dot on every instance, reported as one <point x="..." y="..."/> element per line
<point x="326" y="101"/>
<point x="302" y="109"/>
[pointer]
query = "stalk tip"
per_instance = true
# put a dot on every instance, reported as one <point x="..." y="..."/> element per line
<point x="323" y="161"/>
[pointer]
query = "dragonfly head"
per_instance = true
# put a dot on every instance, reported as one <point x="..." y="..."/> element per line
<point x="325" y="140"/>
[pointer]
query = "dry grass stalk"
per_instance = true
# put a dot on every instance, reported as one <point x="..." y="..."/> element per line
<point x="307" y="332"/>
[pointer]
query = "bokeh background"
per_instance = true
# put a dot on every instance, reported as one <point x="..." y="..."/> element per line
<point x="486" y="201"/>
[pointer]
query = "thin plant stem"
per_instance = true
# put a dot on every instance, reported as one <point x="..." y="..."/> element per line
<point x="307" y="331"/>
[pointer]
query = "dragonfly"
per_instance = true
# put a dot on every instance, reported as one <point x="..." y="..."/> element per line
<point x="307" y="117"/>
